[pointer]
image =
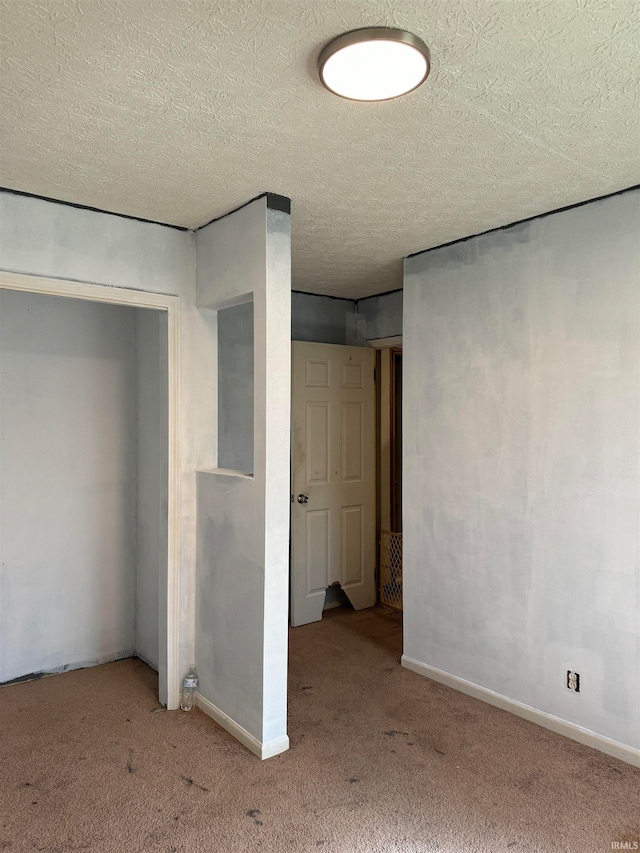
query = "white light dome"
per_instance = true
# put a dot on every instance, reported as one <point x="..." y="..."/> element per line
<point x="374" y="64"/>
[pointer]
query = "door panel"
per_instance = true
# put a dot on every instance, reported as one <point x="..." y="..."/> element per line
<point x="317" y="443"/>
<point x="352" y="441"/>
<point x="352" y="545"/>
<point x="333" y="466"/>
<point x="317" y="373"/>
<point x="317" y="550"/>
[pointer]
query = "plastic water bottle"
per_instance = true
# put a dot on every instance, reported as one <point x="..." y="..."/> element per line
<point x="189" y="686"/>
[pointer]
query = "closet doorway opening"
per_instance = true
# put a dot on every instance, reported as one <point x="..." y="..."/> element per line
<point x="90" y="429"/>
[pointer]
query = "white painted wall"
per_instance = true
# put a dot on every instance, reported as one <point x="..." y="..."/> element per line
<point x="243" y="524"/>
<point x="152" y="478"/>
<point x="521" y="450"/>
<point x="44" y="238"/>
<point x="68" y="483"/>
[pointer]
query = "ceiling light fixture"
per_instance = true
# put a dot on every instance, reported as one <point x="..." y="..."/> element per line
<point x="374" y="64"/>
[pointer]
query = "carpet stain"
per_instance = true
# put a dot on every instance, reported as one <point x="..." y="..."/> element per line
<point x="466" y="717"/>
<point x="253" y="813"/>
<point x="191" y="784"/>
<point x="394" y="732"/>
<point x="353" y="780"/>
<point x="130" y="767"/>
<point x="527" y="781"/>
<point x="439" y="751"/>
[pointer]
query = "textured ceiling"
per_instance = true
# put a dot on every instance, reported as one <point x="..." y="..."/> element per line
<point x="180" y="110"/>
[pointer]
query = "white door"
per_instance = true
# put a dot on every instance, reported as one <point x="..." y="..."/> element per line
<point x="333" y="508"/>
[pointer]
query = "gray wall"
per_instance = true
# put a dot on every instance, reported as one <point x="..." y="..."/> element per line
<point x="68" y="483"/>
<point x="320" y="318"/>
<point x="325" y="320"/>
<point x="382" y="315"/>
<point x="230" y="603"/>
<point x="521" y="482"/>
<point x="235" y="388"/>
<point x="151" y="346"/>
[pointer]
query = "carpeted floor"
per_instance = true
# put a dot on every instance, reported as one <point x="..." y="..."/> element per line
<point x="381" y="760"/>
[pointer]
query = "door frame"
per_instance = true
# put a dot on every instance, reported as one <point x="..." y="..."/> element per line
<point x="171" y="304"/>
<point x="385" y="430"/>
<point x="393" y="432"/>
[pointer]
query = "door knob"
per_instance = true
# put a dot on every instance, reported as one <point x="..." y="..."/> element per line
<point x="303" y="499"/>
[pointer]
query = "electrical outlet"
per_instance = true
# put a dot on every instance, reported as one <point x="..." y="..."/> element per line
<point x="573" y="681"/>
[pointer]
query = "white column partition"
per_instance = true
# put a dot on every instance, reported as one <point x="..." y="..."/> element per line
<point x="243" y="518"/>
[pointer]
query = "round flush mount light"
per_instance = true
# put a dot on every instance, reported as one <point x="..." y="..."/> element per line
<point x="374" y="64"/>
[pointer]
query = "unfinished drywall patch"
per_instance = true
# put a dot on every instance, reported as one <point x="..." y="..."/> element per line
<point x="68" y="482"/>
<point x="521" y="482"/>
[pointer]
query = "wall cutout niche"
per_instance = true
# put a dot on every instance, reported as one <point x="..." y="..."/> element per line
<point x="235" y="388"/>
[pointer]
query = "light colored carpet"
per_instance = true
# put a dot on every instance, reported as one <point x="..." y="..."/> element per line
<point x="381" y="760"/>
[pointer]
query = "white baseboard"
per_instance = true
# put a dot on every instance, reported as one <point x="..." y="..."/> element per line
<point x="548" y="721"/>
<point x="262" y="750"/>
<point x="275" y="747"/>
